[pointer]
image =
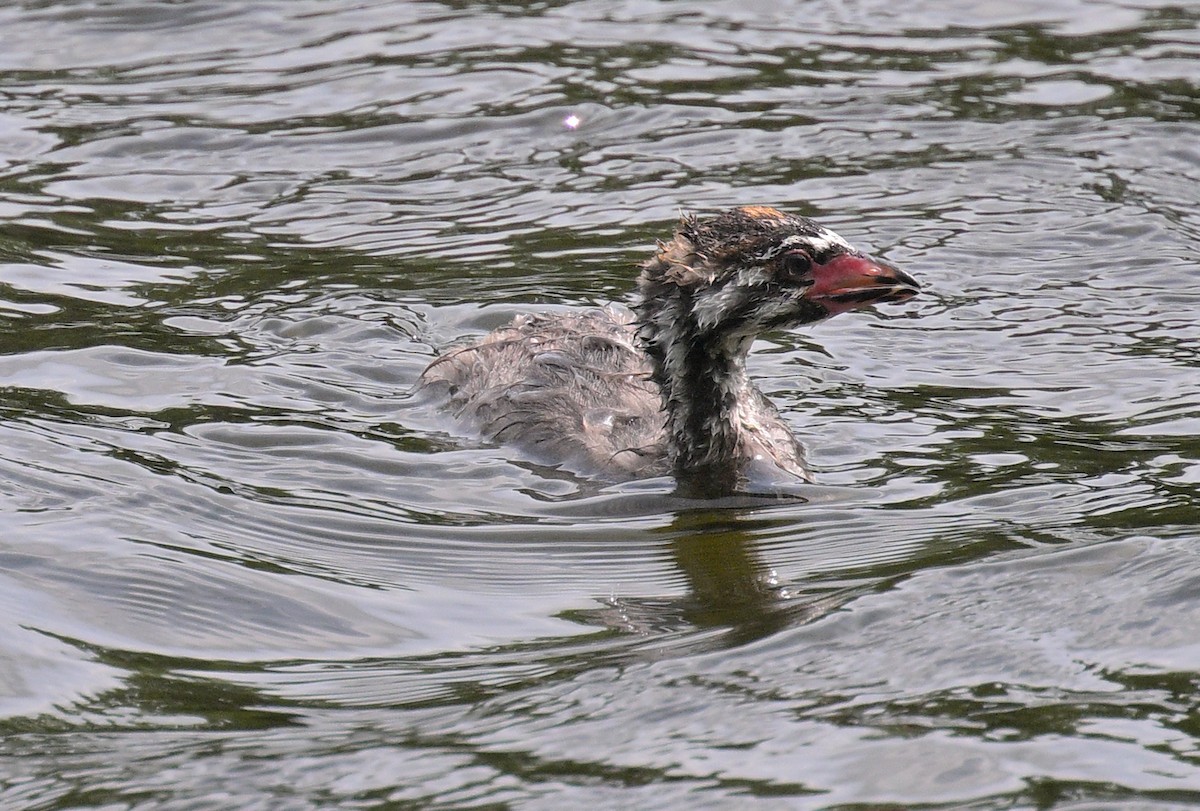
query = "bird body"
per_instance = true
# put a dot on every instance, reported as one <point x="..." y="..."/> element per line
<point x="667" y="392"/>
<point x="572" y="387"/>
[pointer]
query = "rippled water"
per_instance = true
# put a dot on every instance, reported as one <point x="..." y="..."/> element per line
<point x="240" y="568"/>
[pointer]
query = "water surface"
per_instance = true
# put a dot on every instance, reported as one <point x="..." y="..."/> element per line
<point x="240" y="569"/>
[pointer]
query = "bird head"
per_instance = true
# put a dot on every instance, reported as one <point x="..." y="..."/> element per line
<point x="755" y="268"/>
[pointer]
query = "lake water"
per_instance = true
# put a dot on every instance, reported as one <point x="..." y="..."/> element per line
<point x="239" y="568"/>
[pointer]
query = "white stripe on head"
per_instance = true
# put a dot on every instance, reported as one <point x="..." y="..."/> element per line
<point x="818" y="244"/>
<point x="821" y="242"/>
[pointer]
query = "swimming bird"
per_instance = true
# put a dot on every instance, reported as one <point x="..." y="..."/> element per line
<point x="667" y="391"/>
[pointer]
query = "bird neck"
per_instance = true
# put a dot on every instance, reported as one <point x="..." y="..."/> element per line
<point x="704" y="387"/>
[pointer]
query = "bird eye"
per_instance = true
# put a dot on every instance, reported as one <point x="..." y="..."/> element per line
<point x="796" y="263"/>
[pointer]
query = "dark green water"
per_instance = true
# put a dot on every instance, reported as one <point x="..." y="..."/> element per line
<point x="238" y="570"/>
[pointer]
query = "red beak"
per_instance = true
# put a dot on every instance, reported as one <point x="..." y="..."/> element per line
<point x="850" y="281"/>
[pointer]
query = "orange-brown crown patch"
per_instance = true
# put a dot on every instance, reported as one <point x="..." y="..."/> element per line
<point x="763" y="213"/>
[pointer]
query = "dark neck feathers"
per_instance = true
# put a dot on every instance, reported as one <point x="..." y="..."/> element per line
<point x="700" y="369"/>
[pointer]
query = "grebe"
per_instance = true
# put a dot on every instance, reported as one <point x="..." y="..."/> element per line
<point x="667" y="392"/>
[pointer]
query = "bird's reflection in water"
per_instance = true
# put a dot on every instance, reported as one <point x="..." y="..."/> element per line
<point x="732" y="591"/>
